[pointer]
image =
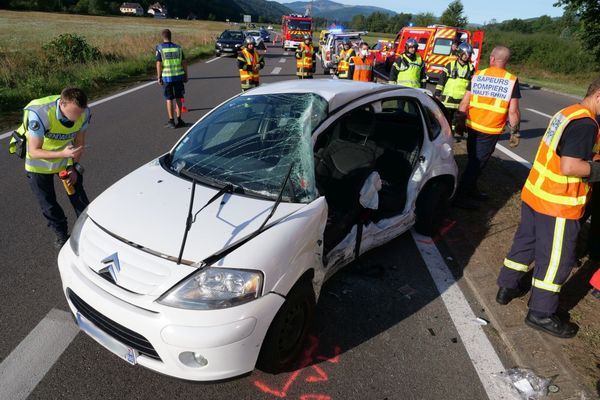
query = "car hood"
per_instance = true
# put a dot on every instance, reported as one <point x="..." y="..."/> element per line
<point x="230" y="41"/>
<point x="149" y="208"/>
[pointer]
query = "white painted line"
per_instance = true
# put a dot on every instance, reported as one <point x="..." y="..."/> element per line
<point x="212" y="59"/>
<point x="285" y="53"/>
<point x="282" y="60"/>
<point x="480" y="350"/>
<point x="539" y="113"/>
<point x="5" y="135"/>
<point x="27" y="364"/>
<point x="514" y="156"/>
<point x="276" y="70"/>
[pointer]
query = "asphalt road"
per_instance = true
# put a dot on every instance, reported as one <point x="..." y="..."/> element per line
<point x="382" y="329"/>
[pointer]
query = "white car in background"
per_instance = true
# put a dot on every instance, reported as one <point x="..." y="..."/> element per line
<point x="260" y="43"/>
<point x="209" y="260"/>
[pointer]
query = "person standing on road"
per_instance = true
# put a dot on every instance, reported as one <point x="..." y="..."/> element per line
<point x="343" y="60"/>
<point x="52" y="139"/>
<point x="492" y="98"/>
<point x="171" y="74"/>
<point x="305" y="59"/>
<point x="409" y="68"/>
<point x="554" y="200"/>
<point x="361" y="66"/>
<point x="249" y="64"/>
<point x="453" y="82"/>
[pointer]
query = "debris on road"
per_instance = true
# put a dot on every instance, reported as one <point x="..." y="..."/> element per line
<point x="481" y="321"/>
<point x="407" y="291"/>
<point x="525" y="383"/>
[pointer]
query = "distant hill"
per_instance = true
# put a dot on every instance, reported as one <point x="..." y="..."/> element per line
<point x="332" y="10"/>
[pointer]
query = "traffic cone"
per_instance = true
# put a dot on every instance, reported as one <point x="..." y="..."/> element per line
<point x="595" y="281"/>
<point x="183" y="107"/>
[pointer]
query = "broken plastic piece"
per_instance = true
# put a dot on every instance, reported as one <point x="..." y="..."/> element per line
<point x="525" y="383"/>
<point x="481" y="321"/>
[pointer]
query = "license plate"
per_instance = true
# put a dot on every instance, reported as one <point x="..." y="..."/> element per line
<point x="127" y="353"/>
<point x="227" y="49"/>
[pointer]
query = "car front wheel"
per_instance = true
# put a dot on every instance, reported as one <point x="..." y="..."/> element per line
<point x="288" y="331"/>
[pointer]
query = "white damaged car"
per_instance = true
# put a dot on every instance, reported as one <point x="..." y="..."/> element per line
<point x="208" y="260"/>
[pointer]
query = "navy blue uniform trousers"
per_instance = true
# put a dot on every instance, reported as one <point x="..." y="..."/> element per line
<point x="42" y="186"/>
<point x="550" y="242"/>
<point x="480" y="147"/>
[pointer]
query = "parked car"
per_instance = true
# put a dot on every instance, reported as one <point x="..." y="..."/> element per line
<point x="229" y="42"/>
<point x="333" y="46"/>
<point x="260" y="43"/>
<point x="209" y="260"/>
<point x="265" y="34"/>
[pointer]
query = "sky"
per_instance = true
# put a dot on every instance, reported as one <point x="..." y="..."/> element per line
<point x="477" y="11"/>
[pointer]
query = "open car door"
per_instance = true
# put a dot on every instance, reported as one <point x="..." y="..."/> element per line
<point x="477" y="43"/>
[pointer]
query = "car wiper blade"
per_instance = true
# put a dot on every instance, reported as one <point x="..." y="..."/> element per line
<point x="226" y="250"/>
<point x="216" y="183"/>
<point x="191" y="218"/>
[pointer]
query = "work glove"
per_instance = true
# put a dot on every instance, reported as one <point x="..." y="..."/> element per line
<point x="460" y="123"/>
<point x="515" y="135"/>
<point x="594" y="172"/>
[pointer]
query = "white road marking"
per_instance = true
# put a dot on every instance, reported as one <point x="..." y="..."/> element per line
<point x="212" y="59"/>
<point x="276" y="70"/>
<point x="282" y="60"/>
<point x="539" y="113"/>
<point x="285" y="53"/>
<point x="479" y="349"/>
<point x="27" y="364"/>
<point x="514" y="156"/>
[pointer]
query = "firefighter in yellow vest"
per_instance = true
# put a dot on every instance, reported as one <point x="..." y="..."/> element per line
<point x="409" y="68"/>
<point x="51" y="139"/>
<point x="171" y="73"/>
<point x="453" y="81"/>
<point x="491" y="99"/>
<point x="343" y="60"/>
<point x="305" y="59"/>
<point x="361" y="66"/>
<point x="554" y="200"/>
<point x="249" y="64"/>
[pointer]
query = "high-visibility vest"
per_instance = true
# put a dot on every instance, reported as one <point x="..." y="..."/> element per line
<point x="548" y="191"/>
<point x="409" y="71"/>
<point x="457" y="80"/>
<point x="363" y="69"/>
<point x="56" y="136"/>
<point x="304" y="60"/>
<point x="250" y="78"/>
<point x="343" y="67"/>
<point x="491" y="90"/>
<point x="172" y="62"/>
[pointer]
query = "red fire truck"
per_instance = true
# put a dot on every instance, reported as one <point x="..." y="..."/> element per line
<point x="293" y="28"/>
<point x="435" y="46"/>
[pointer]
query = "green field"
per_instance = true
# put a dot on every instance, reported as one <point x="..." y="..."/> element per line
<point x="126" y="45"/>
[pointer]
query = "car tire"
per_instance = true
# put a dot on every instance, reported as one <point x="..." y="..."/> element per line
<point x="431" y="208"/>
<point x="288" y="332"/>
<point x="326" y="71"/>
<point x="217" y="54"/>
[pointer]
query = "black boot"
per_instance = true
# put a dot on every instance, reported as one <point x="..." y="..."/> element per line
<point x="552" y="325"/>
<point x="506" y="295"/>
<point x="60" y="239"/>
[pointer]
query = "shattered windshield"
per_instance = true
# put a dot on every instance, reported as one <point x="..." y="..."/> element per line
<point x="251" y="141"/>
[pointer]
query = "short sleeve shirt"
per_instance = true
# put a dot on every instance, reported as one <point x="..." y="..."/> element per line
<point x="578" y="139"/>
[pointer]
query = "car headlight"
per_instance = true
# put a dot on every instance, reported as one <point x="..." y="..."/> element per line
<point x="219" y="44"/>
<point x="214" y="288"/>
<point x="238" y="45"/>
<point x="76" y="232"/>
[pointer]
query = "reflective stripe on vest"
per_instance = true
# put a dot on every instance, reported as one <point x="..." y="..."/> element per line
<point x="547" y="190"/>
<point x="171" y="62"/>
<point x="458" y="77"/>
<point x="343" y="67"/>
<point x="56" y="136"/>
<point x="304" y="60"/>
<point x="363" y="69"/>
<point x="492" y="90"/>
<point x="249" y="79"/>
<point x="411" y="76"/>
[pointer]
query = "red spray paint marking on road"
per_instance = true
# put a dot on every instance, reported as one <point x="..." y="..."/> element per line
<point x="448" y="225"/>
<point x="318" y="375"/>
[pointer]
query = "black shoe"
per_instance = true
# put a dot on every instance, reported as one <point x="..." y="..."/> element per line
<point x="552" y="325"/>
<point x="596" y="293"/>
<point x="180" y="123"/>
<point x="506" y="295"/>
<point x="60" y="240"/>
<point x="479" y="196"/>
<point x="170" y="124"/>
<point x="465" y="203"/>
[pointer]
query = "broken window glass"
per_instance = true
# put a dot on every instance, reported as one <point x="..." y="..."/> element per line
<point x="251" y="141"/>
